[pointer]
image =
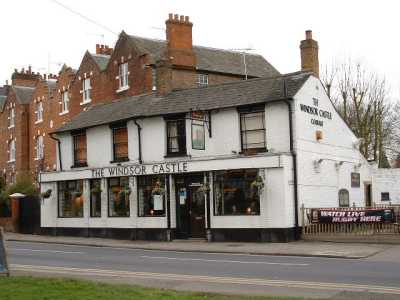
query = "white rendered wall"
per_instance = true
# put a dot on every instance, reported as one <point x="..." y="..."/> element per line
<point x="386" y="181"/>
<point x="319" y="187"/>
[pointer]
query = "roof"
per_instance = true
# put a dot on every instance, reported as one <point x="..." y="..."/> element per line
<point x="232" y="94"/>
<point x="212" y="59"/>
<point x="101" y="60"/>
<point x="23" y="93"/>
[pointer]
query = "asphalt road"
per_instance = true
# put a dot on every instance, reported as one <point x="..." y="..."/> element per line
<point x="211" y="272"/>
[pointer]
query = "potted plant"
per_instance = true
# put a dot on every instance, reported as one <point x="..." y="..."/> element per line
<point x="258" y="184"/>
<point x="158" y="189"/>
<point x="96" y="189"/>
<point x="204" y="188"/>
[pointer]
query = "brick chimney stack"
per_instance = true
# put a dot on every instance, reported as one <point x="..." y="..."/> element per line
<point x="309" y="54"/>
<point x="103" y="49"/>
<point x="179" y="40"/>
<point x="25" y="77"/>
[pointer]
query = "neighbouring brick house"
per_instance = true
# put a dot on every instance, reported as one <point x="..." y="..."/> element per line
<point x="135" y="66"/>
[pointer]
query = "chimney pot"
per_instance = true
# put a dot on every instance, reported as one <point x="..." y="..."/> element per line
<point x="170" y="16"/>
<point x="308" y="34"/>
<point x="29" y="69"/>
<point x="181" y="19"/>
<point x="45" y="76"/>
<point x="187" y="19"/>
<point x="176" y="17"/>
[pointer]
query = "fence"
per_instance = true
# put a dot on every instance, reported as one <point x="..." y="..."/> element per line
<point x="313" y="227"/>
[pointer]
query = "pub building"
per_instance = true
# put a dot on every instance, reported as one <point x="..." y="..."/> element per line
<point x="232" y="161"/>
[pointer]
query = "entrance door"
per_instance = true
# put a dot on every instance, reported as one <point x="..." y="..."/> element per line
<point x="368" y="197"/>
<point x="190" y="208"/>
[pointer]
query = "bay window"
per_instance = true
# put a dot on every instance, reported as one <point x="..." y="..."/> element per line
<point x="118" y="197"/>
<point x="151" y="195"/>
<point x="70" y="199"/>
<point x="252" y="129"/>
<point x="236" y="192"/>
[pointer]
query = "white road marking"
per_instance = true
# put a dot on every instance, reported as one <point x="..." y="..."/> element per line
<point x="225" y="261"/>
<point x="47" y="251"/>
<point x="209" y="279"/>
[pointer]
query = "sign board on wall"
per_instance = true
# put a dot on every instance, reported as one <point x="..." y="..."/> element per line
<point x="370" y="215"/>
<point x="3" y="255"/>
<point x="355" y="179"/>
<point x="318" y="114"/>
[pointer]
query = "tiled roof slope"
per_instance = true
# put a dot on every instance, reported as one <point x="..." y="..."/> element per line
<point x="101" y="60"/>
<point x="23" y="93"/>
<point x="225" y="95"/>
<point x="213" y="60"/>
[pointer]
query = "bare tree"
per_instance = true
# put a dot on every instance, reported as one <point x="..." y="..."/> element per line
<point x="361" y="98"/>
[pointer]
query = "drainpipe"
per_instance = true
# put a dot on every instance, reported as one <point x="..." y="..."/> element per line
<point x="293" y="152"/>
<point x="139" y="140"/>
<point x="59" y="149"/>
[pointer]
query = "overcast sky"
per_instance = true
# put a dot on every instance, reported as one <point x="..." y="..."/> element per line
<point x="33" y="31"/>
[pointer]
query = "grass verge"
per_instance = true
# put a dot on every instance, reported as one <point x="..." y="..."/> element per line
<point x="34" y="288"/>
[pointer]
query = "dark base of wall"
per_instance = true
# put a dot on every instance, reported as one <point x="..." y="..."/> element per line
<point x="281" y="235"/>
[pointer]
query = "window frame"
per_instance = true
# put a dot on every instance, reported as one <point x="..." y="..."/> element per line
<point x="12" y="151"/>
<point x="39" y="147"/>
<point x="202" y="80"/>
<point x="123" y="76"/>
<point x="12" y="118"/>
<point x="58" y="199"/>
<point x="39" y="112"/>
<point x="180" y="135"/>
<point x="91" y="186"/>
<point x="343" y="190"/>
<point x="385" y="194"/>
<point x="215" y="213"/>
<point x="164" y="196"/>
<point x="87" y="90"/>
<point x="114" y="128"/>
<point x="64" y="102"/>
<point x="247" y="110"/>
<point x="75" y="135"/>
<point x="108" y="197"/>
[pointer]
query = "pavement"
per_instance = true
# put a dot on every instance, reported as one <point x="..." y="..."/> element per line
<point x="298" y="248"/>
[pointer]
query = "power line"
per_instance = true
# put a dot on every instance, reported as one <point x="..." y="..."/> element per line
<point x="83" y="16"/>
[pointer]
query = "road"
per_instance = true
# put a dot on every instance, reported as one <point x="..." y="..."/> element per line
<point x="212" y="272"/>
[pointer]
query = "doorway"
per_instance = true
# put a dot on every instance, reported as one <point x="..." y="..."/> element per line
<point x="368" y="195"/>
<point x="190" y="207"/>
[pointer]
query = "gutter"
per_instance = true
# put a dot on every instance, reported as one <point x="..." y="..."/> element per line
<point x="59" y="149"/>
<point x="294" y="155"/>
<point x="139" y="140"/>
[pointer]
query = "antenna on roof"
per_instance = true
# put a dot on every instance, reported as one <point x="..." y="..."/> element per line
<point x="242" y="51"/>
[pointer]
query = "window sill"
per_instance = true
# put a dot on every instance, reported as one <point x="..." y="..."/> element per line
<point x="152" y="216"/>
<point x="63" y="113"/>
<point x="84" y="102"/>
<point x="38" y="158"/>
<point x="118" y="216"/>
<point x="10" y="127"/>
<point x="11" y="161"/>
<point x="115" y="161"/>
<point x="254" y="151"/>
<point x="176" y="155"/>
<point x="239" y="215"/>
<point x="39" y="121"/>
<point x="122" y="89"/>
<point x="80" y="165"/>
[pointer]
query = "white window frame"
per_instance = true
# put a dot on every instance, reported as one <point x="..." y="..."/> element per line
<point x="12" y="151"/>
<point x="87" y="91"/>
<point x="12" y="118"/>
<point x="123" y="73"/>
<point x="64" y="102"/>
<point x="39" y="147"/>
<point x="202" y="80"/>
<point x="39" y="112"/>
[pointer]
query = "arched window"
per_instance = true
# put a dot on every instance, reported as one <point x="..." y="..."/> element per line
<point x="344" y="200"/>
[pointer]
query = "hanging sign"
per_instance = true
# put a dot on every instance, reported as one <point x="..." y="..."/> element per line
<point x="369" y="215"/>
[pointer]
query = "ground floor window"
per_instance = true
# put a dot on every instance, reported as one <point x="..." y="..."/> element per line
<point x="237" y="192"/>
<point x="344" y="199"/>
<point x="95" y="198"/>
<point x="118" y="197"/>
<point x="151" y="195"/>
<point x="70" y="199"/>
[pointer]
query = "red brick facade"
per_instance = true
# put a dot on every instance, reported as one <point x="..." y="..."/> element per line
<point x="175" y="70"/>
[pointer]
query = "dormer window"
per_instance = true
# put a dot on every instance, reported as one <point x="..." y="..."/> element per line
<point x="64" y="102"/>
<point x="87" y="90"/>
<point x="202" y="80"/>
<point x="123" y="76"/>
<point x="39" y="147"/>
<point x="12" y="118"/>
<point x="39" y="112"/>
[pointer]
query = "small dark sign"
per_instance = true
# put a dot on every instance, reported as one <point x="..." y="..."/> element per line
<point x="3" y="255"/>
<point x="370" y="215"/>
<point x="355" y="179"/>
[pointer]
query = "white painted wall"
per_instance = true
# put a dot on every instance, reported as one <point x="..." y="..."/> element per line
<point x="386" y="181"/>
<point x="319" y="187"/>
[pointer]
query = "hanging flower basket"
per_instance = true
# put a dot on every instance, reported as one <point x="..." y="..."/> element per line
<point x="258" y="184"/>
<point x="125" y="192"/>
<point x="46" y="194"/>
<point x="96" y="189"/>
<point x="158" y="189"/>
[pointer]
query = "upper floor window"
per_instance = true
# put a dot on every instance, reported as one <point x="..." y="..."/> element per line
<point x="64" y="102"/>
<point x="176" y="137"/>
<point x="87" y="90"/>
<point x="12" y="117"/>
<point x="202" y="80"/>
<point x="154" y="78"/>
<point x="39" y="111"/>
<point x="39" y="147"/>
<point x="80" y="152"/>
<point x="123" y="75"/>
<point x="252" y="128"/>
<point x="11" y="150"/>
<point x="120" y="142"/>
